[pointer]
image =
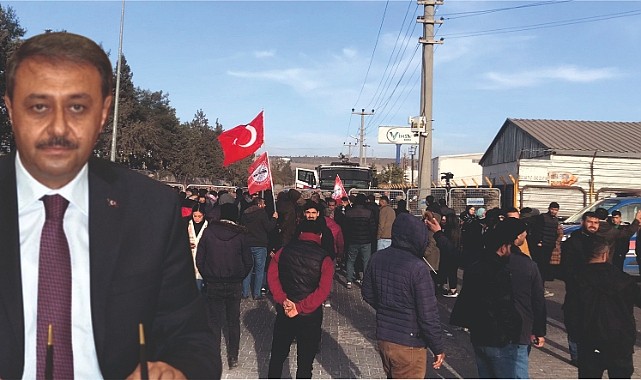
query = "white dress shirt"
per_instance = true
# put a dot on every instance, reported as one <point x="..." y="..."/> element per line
<point x="31" y="217"/>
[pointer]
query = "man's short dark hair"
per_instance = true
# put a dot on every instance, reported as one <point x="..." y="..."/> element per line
<point x="60" y="47"/>
<point x="553" y="205"/>
<point x="601" y="213"/>
<point x="599" y="246"/>
<point x="616" y="213"/>
<point x="588" y="214"/>
<point x="310" y="226"/>
<point x="384" y="198"/>
<point x="257" y="200"/>
<point x="511" y="209"/>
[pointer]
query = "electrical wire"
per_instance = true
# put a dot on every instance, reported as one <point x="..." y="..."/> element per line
<point x="544" y="25"/>
<point x="456" y="15"/>
<point x="378" y="36"/>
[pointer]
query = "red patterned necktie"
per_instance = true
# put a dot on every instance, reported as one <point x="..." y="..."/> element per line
<point x="54" y="291"/>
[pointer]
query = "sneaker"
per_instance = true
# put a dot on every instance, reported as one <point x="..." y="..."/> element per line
<point x="451" y="293"/>
<point x="547" y="293"/>
<point x="233" y="363"/>
<point x="327" y="304"/>
<point x="358" y="281"/>
<point x="263" y="291"/>
<point x="349" y="285"/>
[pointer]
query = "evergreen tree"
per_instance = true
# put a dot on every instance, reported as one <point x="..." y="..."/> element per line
<point x="10" y="34"/>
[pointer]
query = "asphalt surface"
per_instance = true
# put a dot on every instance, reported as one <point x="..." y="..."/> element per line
<point x="348" y="347"/>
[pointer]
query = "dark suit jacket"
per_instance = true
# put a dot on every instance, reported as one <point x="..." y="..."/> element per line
<point x="141" y="271"/>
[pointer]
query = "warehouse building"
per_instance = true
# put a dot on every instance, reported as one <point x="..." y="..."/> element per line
<point x="536" y="161"/>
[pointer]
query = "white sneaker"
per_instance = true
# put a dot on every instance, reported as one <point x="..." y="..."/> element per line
<point x="452" y="293"/>
<point x="327" y="304"/>
<point x="547" y="294"/>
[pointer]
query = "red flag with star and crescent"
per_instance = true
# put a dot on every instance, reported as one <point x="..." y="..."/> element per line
<point x="242" y="141"/>
<point x="339" y="190"/>
<point x="260" y="175"/>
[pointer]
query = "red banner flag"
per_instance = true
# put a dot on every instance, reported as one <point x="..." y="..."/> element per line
<point x="339" y="190"/>
<point x="242" y="141"/>
<point x="260" y="175"/>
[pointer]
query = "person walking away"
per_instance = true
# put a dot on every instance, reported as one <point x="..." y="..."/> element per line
<point x="385" y="220"/>
<point x="259" y="225"/>
<point x="224" y="259"/>
<point x="287" y="207"/>
<point x="299" y="277"/>
<point x="603" y="309"/>
<point x="397" y="284"/>
<point x="359" y="227"/>
<point x="195" y="229"/>
<point x="544" y="235"/>
<point x="450" y="260"/>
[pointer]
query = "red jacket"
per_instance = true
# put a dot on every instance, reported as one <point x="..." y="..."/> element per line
<point x="339" y="242"/>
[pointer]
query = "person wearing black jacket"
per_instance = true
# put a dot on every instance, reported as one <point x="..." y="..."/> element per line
<point x="601" y="308"/>
<point x="491" y="305"/>
<point x="224" y="259"/>
<point x="258" y="225"/>
<point x="359" y="228"/>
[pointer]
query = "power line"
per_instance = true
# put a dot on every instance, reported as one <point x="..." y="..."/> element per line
<point x="380" y="28"/>
<point x="376" y="94"/>
<point x="455" y="15"/>
<point x="545" y="25"/>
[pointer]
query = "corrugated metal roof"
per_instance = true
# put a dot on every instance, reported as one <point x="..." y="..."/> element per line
<point x="583" y="137"/>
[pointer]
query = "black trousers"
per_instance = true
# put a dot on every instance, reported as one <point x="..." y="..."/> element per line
<point x="592" y="364"/>
<point x="225" y="298"/>
<point x="307" y="332"/>
<point x="542" y="256"/>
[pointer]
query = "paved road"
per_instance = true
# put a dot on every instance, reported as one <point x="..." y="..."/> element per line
<point x="348" y="347"/>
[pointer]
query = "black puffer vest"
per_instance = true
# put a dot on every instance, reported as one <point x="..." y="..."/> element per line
<point x="299" y="268"/>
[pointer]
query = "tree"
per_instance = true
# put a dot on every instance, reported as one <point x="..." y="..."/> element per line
<point x="200" y="154"/>
<point x="10" y="36"/>
<point x="392" y="174"/>
<point x="282" y="173"/>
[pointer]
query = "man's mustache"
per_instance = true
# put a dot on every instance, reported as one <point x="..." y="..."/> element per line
<point x="57" y="142"/>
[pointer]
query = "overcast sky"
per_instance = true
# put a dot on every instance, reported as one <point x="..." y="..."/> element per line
<point x="308" y="63"/>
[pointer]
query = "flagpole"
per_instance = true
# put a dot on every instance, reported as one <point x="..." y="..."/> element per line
<point x="271" y="179"/>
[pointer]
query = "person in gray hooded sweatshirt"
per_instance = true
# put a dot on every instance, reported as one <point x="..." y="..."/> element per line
<point x="398" y="285"/>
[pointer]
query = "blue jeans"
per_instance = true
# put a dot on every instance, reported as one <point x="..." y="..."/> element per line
<point x="353" y="250"/>
<point x="522" y="361"/>
<point x="383" y="243"/>
<point x="496" y="362"/>
<point x="259" y="255"/>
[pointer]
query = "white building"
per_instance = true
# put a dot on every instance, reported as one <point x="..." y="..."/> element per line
<point x="465" y="167"/>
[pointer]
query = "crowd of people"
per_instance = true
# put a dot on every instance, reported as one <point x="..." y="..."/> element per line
<point x="506" y="256"/>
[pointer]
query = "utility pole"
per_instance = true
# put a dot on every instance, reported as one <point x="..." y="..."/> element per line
<point x="361" y="141"/>
<point x="349" y="149"/>
<point x="412" y="153"/>
<point x="427" y="76"/>
<point x="114" y="134"/>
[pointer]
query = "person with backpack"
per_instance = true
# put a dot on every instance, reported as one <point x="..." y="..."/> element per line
<point x="602" y="312"/>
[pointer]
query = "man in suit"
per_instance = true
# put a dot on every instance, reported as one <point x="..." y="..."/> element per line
<point x="128" y="248"/>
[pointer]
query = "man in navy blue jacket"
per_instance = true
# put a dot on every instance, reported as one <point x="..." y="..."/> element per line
<point x="397" y="283"/>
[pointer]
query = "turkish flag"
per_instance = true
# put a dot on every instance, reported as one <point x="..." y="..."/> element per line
<point x="242" y="141"/>
<point x="260" y="175"/>
<point x="339" y="190"/>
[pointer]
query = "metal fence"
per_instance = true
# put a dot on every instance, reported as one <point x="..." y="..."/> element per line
<point x="393" y="195"/>
<point x="417" y="205"/>
<point x="478" y="197"/>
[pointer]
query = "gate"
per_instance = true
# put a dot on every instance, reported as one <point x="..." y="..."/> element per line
<point x="478" y="197"/>
<point x="416" y="205"/>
